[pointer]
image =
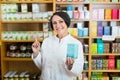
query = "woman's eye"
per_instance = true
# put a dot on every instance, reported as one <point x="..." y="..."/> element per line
<point x="54" y="23"/>
<point x="61" y="21"/>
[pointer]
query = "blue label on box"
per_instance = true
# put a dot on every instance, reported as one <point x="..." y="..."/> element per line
<point x="72" y="50"/>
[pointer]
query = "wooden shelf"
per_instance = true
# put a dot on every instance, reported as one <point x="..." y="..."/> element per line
<point x="76" y="20"/>
<point x="106" y="3"/>
<point x="72" y="3"/>
<point x="17" y="59"/>
<point x="107" y="20"/>
<point x="105" y="70"/>
<point x="8" y="25"/>
<point x="106" y="54"/>
<point x="35" y="1"/>
<point x="26" y="21"/>
<point x="20" y="40"/>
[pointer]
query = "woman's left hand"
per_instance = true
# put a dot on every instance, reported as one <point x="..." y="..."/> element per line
<point x="69" y="62"/>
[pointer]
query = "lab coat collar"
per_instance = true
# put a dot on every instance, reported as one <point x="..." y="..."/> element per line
<point x="64" y="38"/>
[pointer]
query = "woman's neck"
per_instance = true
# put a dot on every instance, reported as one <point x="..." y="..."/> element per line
<point x="62" y="36"/>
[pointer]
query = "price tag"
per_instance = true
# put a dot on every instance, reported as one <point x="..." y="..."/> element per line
<point x="108" y="38"/>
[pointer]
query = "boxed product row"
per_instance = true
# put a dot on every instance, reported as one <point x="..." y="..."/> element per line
<point x="18" y="50"/>
<point x="27" y="16"/>
<point x="88" y="0"/>
<point x="78" y="32"/>
<point x="72" y="0"/>
<point x="25" y="75"/>
<point x="23" y="0"/>
<point x="100" y="47"/>
<point x="13" y="75"/>
<point x="105" y="76"/>
<point x="104" y="48"/>
<point x="103" y="29"/>
<point x="25" y="35"/>
<point x="108" y="13"/>
<point x="11" y="12"/>
<point x="105" y="63"/>
<point x="75" y="11"/>
<point x="105" y="0"/>
<point x="23" y="7"/>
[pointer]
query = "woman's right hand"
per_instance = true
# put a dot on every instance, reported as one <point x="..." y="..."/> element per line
<point x="35" y="48"/>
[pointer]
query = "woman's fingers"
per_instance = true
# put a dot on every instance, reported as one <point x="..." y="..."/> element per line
<point x="36" y="44"/>
<point x="69" y="61"/>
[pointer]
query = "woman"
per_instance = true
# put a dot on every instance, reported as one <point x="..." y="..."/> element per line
<point x="52" y="58"/>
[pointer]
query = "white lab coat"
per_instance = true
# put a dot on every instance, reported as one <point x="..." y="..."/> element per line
<point x="51" y="60"/>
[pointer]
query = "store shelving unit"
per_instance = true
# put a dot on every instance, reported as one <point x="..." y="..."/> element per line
<point x="22" y="64"/>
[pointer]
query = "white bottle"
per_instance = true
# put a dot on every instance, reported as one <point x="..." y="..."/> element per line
<point x="86" y="13"/>
<point x="85" y="76"/>
<point x="81" y="13"/>
<point x="85" y="63"/>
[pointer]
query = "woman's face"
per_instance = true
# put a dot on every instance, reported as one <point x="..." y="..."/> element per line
<point x="59" y="26"/>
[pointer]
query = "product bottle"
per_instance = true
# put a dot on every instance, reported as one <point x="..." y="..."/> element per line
<point x="85" y="76"/>
<point x="85" y="63"/>
<point x="69" y="11"/>
<point x="86" y="13"/>
<point x="81" y="13"/>
<point x="76" y="13"/>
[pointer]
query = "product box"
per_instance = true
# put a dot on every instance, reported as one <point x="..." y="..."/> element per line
<point x="115" y="30"/>
<point x="94" y="29"/>
<point x="72" y="50"/>
<point x="108" y="13"/>
<point x="24" y="8"/>
<point x="93" y="64"/>
<point x="85" y="31"/>
<point x="118" y="63"/>
<point x="100" y="48"/>
<point x="73" y="31"/>
<point x="106" y="30"/>
<point x="35" y="7"/>
<point x="114" y="47"/>
<point x="106" y="48"/>
<point x="99" y="31"/>
<point x="99" y="64"/>
<point x="101" y="14"/>
<point x="113" y="23"/>
<point x="95" y="14"/>
<point x="119" y="12"/>
<point x="114" y="13"/>
<point x="94" y="78"/>
<point x="111" y="62"/>
<point x="105" y="64"/>
<point x="94" y="48"/>
<point x="114" y="0"/>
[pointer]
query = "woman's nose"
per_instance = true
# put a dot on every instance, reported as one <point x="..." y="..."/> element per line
<point x="58" y="24"/>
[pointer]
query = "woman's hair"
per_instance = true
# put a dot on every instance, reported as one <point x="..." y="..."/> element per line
<point x="63" y="15"/>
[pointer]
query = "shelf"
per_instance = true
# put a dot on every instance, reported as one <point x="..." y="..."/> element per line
<point x="17" y="59"/>
<point x="106" y="3"/>
<point x="105" y="70"/>
<point x="20" y="40"/>
<point x="35" y="1"/>
<point x="95" y="37"/>
<point x="86" y="54"/>
<point x="85" y="70"/>
<point x="106" y="54"/>
<point x="72" y="3"/>
<point x="26" y="21"/>
<point x="15" y="25"/>
<point x="75" y="20"/>
<point x="107" y="20"/>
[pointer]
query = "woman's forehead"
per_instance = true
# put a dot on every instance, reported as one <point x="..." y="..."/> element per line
<point x="56" y="18"/>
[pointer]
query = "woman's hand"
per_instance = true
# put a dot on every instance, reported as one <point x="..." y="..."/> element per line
<point x="35" y="48"/>
<point x="69" y="62"/>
